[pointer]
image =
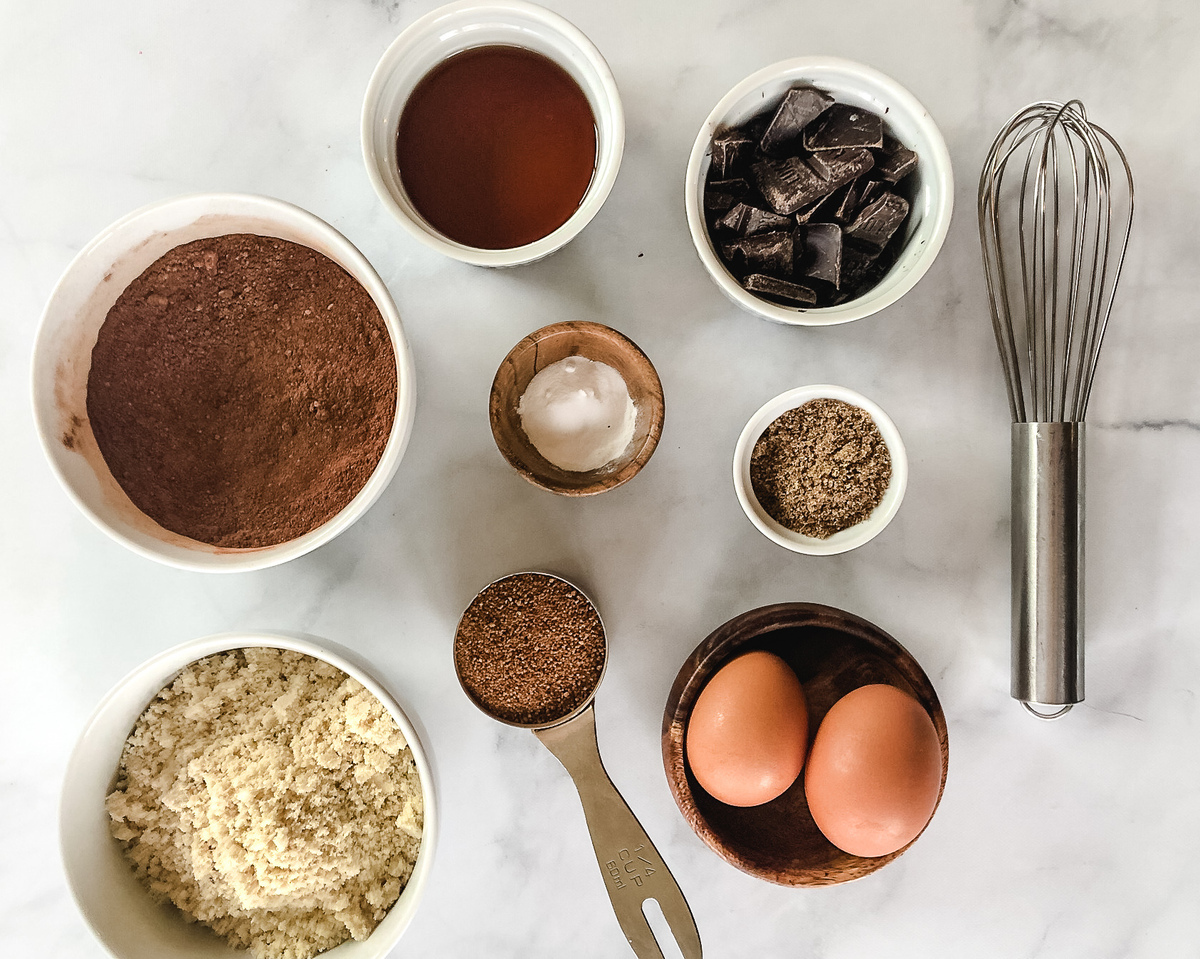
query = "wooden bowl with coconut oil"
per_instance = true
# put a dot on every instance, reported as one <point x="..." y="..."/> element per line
<point x="548" y="346"/>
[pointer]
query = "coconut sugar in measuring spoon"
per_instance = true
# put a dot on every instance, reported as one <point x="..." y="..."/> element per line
<point x="530" y="651"/>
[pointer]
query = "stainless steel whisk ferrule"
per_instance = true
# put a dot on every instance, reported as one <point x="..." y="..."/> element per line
<point x="1054" y="225"/>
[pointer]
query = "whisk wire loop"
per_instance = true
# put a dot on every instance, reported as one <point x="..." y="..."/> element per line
<point x="1068" y="239"/>
<point x="1114" y="261"/>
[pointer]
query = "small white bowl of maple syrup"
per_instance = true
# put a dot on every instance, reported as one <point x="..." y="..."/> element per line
<point x="445" y="99"/>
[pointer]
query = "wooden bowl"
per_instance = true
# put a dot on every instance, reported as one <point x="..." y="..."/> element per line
<point x="832" y="652"/>
<point x="549" y="345"/>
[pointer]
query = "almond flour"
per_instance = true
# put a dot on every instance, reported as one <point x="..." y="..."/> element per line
<point x="271" y="797"/>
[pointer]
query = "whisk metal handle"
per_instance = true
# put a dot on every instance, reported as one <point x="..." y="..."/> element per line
<point x="1047" y="565"/>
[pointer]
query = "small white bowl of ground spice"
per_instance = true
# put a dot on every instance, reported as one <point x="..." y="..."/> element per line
<point x="248" y="795"/>
<point x="820" y="469"/>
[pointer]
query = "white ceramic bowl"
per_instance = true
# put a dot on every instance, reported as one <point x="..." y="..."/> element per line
<point x="76" y="310"/>
<point x="119" y="910"/>
<point x="857" y="85"/>
<point x="457" y="27"/>
<point x="849" y="538"/>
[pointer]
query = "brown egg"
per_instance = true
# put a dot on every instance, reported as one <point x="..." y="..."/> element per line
<point x="874" y="772"/>
<point x="748" y="731"/>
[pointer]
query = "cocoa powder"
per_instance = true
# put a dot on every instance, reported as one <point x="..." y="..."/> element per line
<point x="242" y="390"/>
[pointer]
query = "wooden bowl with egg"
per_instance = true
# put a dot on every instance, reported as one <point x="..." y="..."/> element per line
<point x="832" y="653"/>
<point x="547" y="346"/>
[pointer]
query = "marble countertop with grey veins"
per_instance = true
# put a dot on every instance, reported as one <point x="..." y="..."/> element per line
<point x="1070" y="840"/>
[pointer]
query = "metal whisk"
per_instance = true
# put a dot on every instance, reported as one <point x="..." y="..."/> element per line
<point x="1055" y="213"/>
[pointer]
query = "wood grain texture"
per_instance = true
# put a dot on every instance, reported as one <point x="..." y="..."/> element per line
<point x="549" y="345"/>
<point x="832" y="652"/>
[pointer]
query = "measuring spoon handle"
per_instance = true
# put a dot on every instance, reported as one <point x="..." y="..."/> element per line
<point x="633" y="870"/>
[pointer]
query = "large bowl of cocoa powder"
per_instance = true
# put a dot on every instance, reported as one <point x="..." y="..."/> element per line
<point x="221" y="382"/>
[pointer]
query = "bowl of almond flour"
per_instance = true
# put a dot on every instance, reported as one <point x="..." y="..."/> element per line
<point x="248" y="795"/>
<point x="221" y="382"/>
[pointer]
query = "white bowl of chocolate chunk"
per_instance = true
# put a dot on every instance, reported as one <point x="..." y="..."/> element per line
<point x="248" y="794"/>
<point x="221" y="382"/>
<point x="818" y="191"/>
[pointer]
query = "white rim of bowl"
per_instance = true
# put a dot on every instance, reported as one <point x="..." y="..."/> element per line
<point x="853" y="536"/>
<point x="234" y="560"/>
<point x="171" y="661"/>
<point x="605" y="174"/>
<point x="801" y="68"/>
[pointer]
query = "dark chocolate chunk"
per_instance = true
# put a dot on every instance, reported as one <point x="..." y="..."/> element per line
<point x="841" y="166"/>
<point x="789" y="184"/>
<point x="845" y="202"/>
<point x="734" y="187"/>
<point x="732" y="152"/>
<point x="732" y="221"/>
<point x="746" y="220"/>
<point x="763" y="221"/>
<point x="718" y="203"/>
<point x="721" y="195"/>
<point x="877" y="221"/>
<point x="822" y="258"/>
<point x="874" y="271"/>
<point x="895" y="160"/>
<point x="814" y="211"/>
<point x="869" y="191"/>
<point x="887" y="259"/>
<point x="856" y="262"/>
<point x="800" y="106"/>
<point x="843" y="126"/>
<point x="793" y="294"/>
<point x="772" y="253"/>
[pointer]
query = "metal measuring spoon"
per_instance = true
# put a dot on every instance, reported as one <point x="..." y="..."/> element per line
<point x="632" y="868"/>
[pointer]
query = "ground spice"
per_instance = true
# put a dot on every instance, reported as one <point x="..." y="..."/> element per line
<point x="530" y="649"/>
<point x="821" y="468"/>
<point x="242" y="390"/>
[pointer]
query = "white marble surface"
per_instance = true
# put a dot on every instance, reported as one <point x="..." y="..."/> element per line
<point x="1072" y="839"/>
